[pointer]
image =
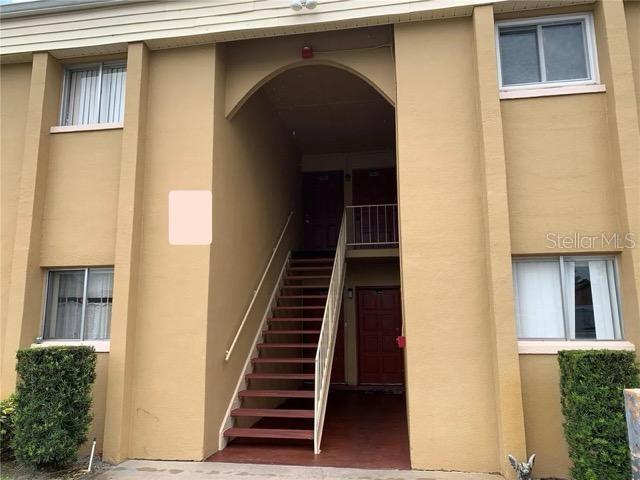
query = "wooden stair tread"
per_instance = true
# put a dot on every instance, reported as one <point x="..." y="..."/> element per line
<point x="299" y="307"/>
<point x="277" y="393"/>
<point x="306" y="287"/>
<point x="284" y="433"/>
<point x="287" y="332"/>
<point x="282" y="360"/>
<point x="287" y="345"/>
<point x="295" y="319"/>
<point x="311" y="269"/>
<point x="271" y="412"/>
<point x="301" y="296"/>
<point x="305" y="277"/>
<point x="312" y="260"/>
<point x="280" y="376"/>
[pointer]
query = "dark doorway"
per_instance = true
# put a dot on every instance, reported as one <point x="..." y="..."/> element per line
<point x="337" y="370"/>
<point x="380" y="360"/>
<point x="374" y="186"/>
<point x="323" y="202"/>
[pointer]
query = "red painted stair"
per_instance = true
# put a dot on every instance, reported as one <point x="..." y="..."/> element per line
<point x="296" y="314"/>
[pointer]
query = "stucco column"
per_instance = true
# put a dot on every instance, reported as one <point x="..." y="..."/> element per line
<point x="25" y="291"/>
<point x="506" y="367"/>
<point x="622" y="117"/>
<point x="127" y="252"/>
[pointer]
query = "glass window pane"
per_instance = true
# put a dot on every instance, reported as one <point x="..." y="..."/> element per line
<point x="519" y="60"/>
<point x="564" y="52"/>
<point x="538" y="301"/>
<point x="112" y="97"/>
<point x="591" y="300"/>
<point x="82" y="96"/>
<point x="99" y="302"/>
<point x="63" y="311"/>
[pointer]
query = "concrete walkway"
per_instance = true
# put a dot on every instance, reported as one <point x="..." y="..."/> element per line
<point x="147" y="470"/>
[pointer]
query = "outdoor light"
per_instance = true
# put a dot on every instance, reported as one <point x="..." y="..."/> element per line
<point x="298" y="4"/>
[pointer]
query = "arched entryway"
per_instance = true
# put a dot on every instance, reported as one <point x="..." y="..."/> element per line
<point x="341" y="130"/>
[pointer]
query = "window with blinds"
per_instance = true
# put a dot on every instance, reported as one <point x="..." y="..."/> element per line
<point x="93" y="94"/>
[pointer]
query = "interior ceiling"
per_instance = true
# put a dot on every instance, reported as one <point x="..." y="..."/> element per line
<point x="326" y="110"/>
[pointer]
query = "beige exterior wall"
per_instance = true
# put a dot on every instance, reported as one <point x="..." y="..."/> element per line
<point x="472" y="171"/>
<point x="442" y="250"/>
<point x="14" y="98"/>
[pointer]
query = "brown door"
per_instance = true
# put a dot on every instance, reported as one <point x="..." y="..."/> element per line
<point x="337" y="370"/>
<point x="374" y="186"/>
<point x="380" y="361"/>
<point x="323" y="202"/>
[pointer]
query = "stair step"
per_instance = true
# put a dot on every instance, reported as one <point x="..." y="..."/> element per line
<point x="312" y="260"/>
<point x="306" y="277"/>
<point x="299" y="307"/>
<point x="287" y="345"/>
<point x="271" y="413"/>
<point x="282" y="360"/>
<point x="291" y="297"/>
<point x="284" y="433"/>
<point x="280" y="376"/>
<point x="291" y="332"/>
<point x="307" y="287"/>
<point x="295" y="319"/>
<point x="311" y="269"/>
<point x="276" y="393"/>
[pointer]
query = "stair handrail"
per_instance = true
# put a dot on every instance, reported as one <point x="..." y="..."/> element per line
<point x="327" y="339"/>
<point x="257" y="289"/>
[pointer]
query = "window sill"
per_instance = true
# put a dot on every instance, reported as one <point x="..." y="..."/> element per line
<point x="101" y="346"/>
<point x="86" y="128"/>
<point x="552" y="347"/>
<point x="551" y="91"/>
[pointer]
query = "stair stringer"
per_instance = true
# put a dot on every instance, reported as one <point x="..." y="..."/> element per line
<point x="228" y="421"/>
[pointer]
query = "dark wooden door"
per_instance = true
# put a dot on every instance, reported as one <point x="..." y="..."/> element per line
<point x="374" y="186"/>
<point x="380" y="361"/>
<point x="323" y="203"/>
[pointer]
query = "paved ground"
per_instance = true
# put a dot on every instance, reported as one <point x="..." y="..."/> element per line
<point x="147" y="470"/>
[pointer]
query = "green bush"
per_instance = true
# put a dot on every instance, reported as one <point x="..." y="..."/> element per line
<point x="53" y="404"/>
<point x="7" y="407"/>
<point x="591" y="385"/>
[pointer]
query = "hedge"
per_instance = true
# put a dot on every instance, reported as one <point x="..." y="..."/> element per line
<point x="7" y="407"/>
<point x="53" y="404"/>
<point x="591" y="387"/>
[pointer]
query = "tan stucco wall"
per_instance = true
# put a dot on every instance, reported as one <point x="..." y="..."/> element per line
<point x="14" y="97"/>
<point x="82" y="196"/>
<point x="368" y="272"/>
<point x="543" y="416"/>
<point x="453" y="426"/>
<point x="255" y="186"/>
<point x="99" y="395"/>
<point x="559" y="173"/>
<point x="632" y="11"/>
<point x="173" y="280"/>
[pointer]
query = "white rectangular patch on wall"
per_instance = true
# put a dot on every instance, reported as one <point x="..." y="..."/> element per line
<point x="190" y="220"/>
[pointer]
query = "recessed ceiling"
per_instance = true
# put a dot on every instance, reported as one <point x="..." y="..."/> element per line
<point x="327" y="109"/>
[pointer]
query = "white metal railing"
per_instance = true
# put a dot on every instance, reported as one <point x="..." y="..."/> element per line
<point x="327" y="339"/>
<point x="257" y="289"/>
<point x="372" y="225"/>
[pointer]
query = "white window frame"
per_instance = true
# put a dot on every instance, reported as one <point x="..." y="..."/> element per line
<point x="64" y="102"/>
<point x="101" y="345"/>
<point x="539" y="22"/>
<point x="560" y="259"/>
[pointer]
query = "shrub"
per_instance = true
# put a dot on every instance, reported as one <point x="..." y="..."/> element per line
<point x="7" y="407"/>
<point x="591" y="387"/>
<point x="53" y="404"/>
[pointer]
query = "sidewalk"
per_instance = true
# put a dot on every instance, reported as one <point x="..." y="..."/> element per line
<point x="149" y="469"/>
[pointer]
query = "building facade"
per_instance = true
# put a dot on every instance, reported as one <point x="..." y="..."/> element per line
<point x="462" y="174"/>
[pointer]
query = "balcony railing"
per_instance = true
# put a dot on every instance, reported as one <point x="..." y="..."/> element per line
<point x="372" y="226"/>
